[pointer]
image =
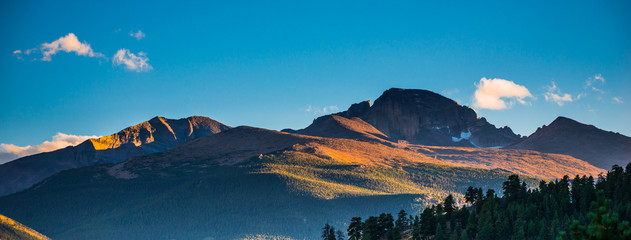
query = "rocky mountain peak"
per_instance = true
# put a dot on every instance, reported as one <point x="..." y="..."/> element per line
<point x="417" y="116"/>
<point x="561" y="121"/>
<point x="425" y="117"/>
<point x="357" y="109"/>
<point x="587" y="142"/>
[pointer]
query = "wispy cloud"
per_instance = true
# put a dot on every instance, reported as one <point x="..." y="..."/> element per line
<point x="554" y="94"/>
<point x="617" y="99"/>
<point x="598" y="78"/>
<point x="593" y="83"/>
<point x="10" y="152"/>
<point x="18" y="54"/>
<point x="69" y="43"/>
<point x="497" y="94"/>
<point x="135" y="62"/>
<point x="137" y="35"/>
<point x="449" y="92"/>
<point x="321" y="111"/>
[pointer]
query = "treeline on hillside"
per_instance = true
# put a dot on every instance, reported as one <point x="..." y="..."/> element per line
<point x="579" y="208"/>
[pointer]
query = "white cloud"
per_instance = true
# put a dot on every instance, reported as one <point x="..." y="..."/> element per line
<point x="330" y="109"/>
<point x="137" y="35"/>
<point x="496" y="94"/>
<point x="449" y="92"/>
<point x="618" y="99"/>
<point x="18" y="54"/>
<point x="598" y="78"/>
<point x="579" y="96"/>
<point x="10" y="152"/>
<point x="554" y="95"/>
<point x="591" y="83"/>
<point x="321" y="111"/>
<point x="598" y="90"/>
<point x="68" y="43"/>
<point x="133" y="62"/>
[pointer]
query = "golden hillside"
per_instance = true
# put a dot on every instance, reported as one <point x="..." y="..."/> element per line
<point x="12" y="230"/>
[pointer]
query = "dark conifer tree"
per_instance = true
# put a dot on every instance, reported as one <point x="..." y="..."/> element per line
<point x="340" y="235"/>
<point x="371" y="229"/>
<point x="402" y="222"/>
<point x="355" y="229"/>
<point x="326" y="231"/>
<point x="449" y="206"/>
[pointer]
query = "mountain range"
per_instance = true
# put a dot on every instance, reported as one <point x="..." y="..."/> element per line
<point x="196" y="178"/>
<point x="155" y="135"/>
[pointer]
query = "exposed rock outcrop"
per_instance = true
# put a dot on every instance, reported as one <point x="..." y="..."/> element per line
<point x="423" y="117"/>
<point x="156" y="135"/>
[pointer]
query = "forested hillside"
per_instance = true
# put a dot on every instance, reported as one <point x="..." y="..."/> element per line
<point x="12" y="230"/>
<point x="578" y="208"/>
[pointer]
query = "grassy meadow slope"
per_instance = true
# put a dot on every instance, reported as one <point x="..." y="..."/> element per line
<point x="12" y="230"/>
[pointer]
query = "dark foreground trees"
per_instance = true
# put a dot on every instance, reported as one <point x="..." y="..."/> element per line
<point x="576" y="209"/>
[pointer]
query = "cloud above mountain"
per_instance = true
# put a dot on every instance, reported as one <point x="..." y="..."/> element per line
<point x="497" y="94"/>
<point x="553" y="94"/>
<point x="10" y="152"/>
<point x="69" y="43"/>
<point x="135" y="62"/>
<point x="137" y="35"/>
<point x="321" y="111"/>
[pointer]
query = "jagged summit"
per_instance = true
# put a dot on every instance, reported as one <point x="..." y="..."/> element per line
<point x="567" y="136"/>
<point x="425" y="117"/>
<point x="156" y="135"/>
<point x="356" y="109"/>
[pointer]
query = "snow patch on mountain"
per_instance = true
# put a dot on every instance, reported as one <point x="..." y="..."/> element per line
<point x="463" y="136"/>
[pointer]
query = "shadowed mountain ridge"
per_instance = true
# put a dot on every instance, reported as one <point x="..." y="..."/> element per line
<point x="155" y="135"/>
<point x="566" y="136"/>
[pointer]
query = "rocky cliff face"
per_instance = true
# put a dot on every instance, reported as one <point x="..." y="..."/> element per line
<point x="159" y="134"/>
<point x="156" y="135"/>
<point x="425" y="117"/>
<point x="587" y="142"/>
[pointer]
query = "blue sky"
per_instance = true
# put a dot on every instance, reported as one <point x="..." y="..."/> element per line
<point x="267" y="64"/>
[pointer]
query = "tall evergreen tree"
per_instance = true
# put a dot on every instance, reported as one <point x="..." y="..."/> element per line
<point x="340" y="235"/>
<point x="402" y="222"/>
<point x="355" y="229"/>
<point x="326" y="231"/>
<point x="449" y="206"/>
<point x="371" y="229"/>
